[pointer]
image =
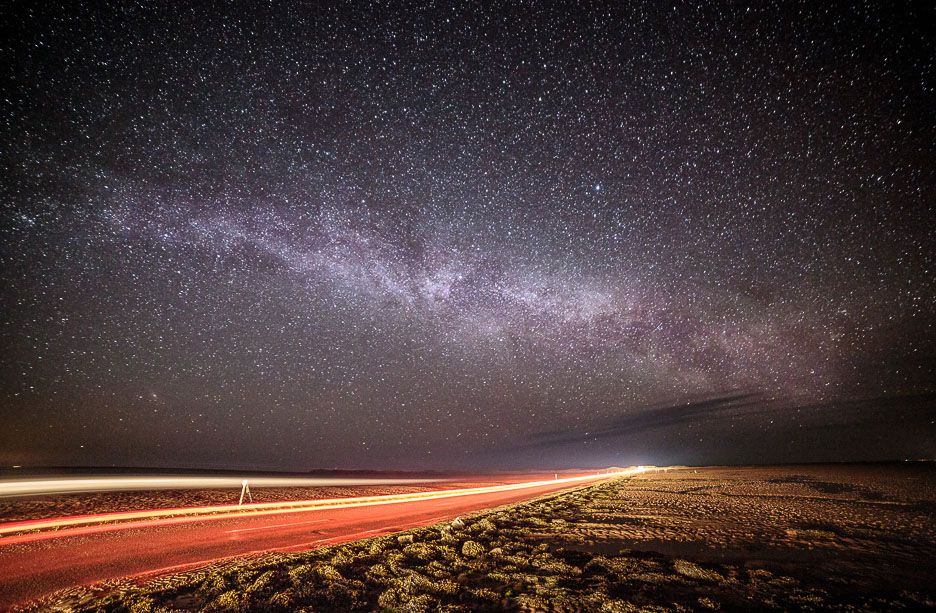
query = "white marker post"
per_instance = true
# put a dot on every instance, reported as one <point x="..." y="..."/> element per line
<point x="245" y="489"/>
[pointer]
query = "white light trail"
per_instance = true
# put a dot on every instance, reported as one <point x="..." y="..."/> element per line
<point x="72" y="485"/>
<point x="187" y="514"/>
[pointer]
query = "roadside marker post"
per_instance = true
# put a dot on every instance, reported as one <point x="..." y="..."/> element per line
<point x="245" y="489"/>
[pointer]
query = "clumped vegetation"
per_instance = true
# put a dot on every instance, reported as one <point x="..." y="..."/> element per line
<point x="564" y="552"/>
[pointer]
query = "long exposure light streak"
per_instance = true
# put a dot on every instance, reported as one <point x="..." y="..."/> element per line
<point x="70" y="485"/>
<point x="86" y="524"/>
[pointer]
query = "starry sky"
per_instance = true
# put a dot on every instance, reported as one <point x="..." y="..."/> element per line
<point x="289" y="235"/>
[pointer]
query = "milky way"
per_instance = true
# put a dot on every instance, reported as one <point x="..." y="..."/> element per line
<point x="424" y="236"/>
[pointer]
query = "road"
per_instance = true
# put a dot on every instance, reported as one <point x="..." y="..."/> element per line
<point x="33" y="565"/>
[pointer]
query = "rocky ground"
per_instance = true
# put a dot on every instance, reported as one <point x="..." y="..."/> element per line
<point x="787" y="538"/>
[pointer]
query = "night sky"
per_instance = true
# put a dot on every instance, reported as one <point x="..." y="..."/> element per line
<point x="285" y="236"/>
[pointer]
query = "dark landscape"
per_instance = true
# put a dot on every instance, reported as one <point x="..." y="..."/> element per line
<point x="835" y="537"/>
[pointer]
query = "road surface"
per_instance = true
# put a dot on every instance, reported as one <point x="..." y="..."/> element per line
<point x="33" y="565"/>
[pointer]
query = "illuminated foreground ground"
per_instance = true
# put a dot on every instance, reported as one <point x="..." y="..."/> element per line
<point x="37" y="557"/>
<point x="787" y="538"/>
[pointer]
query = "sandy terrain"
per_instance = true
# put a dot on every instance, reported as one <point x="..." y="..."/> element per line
<point x="873" y="519"/>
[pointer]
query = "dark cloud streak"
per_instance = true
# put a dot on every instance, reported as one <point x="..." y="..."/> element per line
<point x="866" y="415"/>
